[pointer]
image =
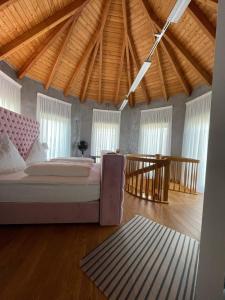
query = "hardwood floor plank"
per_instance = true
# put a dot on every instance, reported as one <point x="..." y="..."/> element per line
<point x="41" y="262"/>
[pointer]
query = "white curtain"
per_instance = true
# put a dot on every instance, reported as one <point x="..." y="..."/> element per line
<point x="155" y="131"/>
<point x="196" y="132"/>
<point x="10" y="93"/>
<point x="105" y="131"/>
<point x="55" y="125"/>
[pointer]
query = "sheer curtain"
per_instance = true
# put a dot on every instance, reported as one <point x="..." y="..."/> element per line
<point x="155" y="131"/>
<point x="196" y="132"/>
<point x="105" y="131"/>
<point x="55" y="125"/>
<point x="10" y="93"/>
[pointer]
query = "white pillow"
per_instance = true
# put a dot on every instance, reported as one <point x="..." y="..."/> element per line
<point x="73" y="159"/>
<point x="37" y="153"/>
<point x="58" y="169"/>
<point x="10" y="159"/>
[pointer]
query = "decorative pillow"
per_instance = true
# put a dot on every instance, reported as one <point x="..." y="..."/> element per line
<point x="37" y="153"/>
<point x="58" y="169"/>
<point x="10" y="159"/>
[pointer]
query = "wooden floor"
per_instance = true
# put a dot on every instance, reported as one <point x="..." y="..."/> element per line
<point x="42" y="262"/>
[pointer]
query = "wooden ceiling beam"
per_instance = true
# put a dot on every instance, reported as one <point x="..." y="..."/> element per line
<point x="95" y="38"/>
<point x="161" y="75"/>
<point x="41" y="28"/>
<point x="202" y="20"/>
<point x="6" y="3"/>
<point x="61" y="52"/>
<point x="138" y="66"/>
<point x="169" y="36"/>
<point x="120" y="73"/>
<point x="180" y="74"/>
<point x="131" y="100"/>
<point x="42" y="48"/>
<point x="100" y="71"/>
<point x="125" y="23"/>
<point x="160" y="68"/>
<point x="89" y="71"/>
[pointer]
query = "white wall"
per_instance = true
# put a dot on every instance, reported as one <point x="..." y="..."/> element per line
<point x="211" y="270"/>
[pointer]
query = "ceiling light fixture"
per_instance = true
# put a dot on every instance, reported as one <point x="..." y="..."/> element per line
<point x="174" y="17"/>
<point x="144" y="68"/>
<point x="123" y="104"/>
<point x="178" y="11"/>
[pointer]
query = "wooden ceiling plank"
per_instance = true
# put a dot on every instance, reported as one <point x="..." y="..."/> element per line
<point x="89" y="71"/>
<point x="203" y="21"/>
<point x="161" y="75"/>
<point x="6" y="3"/>
<point x="180" y="75"/>
<point x="41" y="28"/>
<point x="120" y="73"/>
<point x="212" y="3"/>
<point x="100" y="71"/>
<point x="43" y="48"/>
<point x="160" y="68"/>
<point x="138" y="66"/>
<point x="95" y="38"/>
<point x="124" y="8"/>
<point x="61" y="52"/>
<point x="169" y="36"/>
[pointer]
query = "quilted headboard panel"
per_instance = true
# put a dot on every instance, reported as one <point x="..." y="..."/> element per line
<point x="21" y="130"/>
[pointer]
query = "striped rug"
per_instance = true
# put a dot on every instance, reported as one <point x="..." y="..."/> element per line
<point x="144" y="260"/>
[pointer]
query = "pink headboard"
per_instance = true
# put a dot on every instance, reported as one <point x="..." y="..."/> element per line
<point x="21" y="130"/>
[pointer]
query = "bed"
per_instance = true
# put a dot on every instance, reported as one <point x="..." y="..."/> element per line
<point x="97" y="198"/>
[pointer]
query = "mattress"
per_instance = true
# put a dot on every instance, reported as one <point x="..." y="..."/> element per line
<point x="19" y="187"/>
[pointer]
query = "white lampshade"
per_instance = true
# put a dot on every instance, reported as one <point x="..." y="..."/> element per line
<point x="178" y="11"/>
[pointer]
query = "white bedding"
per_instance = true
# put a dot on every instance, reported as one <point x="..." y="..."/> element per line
<point x="19" y="187"/>
<point x="73" y="159"/>
<point x="62" y="169"/>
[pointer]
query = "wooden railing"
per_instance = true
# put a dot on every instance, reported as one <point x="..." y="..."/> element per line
<point x="183" y="174"/>
<point x="151" y="176"/>
<point x="148" y="178"/>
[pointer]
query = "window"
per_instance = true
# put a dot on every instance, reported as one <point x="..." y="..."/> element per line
<point x="155" y="131"/>
<point x="10" y="93"/>
<point x="105" y="131"/>
<point x="196" y="132"/>
<point x="55" y="125"/>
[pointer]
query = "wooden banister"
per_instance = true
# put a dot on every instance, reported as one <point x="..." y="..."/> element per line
<point x="151" y="176"/>
<point x="147" y="177"/>
<point x="183" y="174"/>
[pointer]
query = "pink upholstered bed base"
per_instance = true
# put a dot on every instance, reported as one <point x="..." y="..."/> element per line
<point x="23" y="132"/>
<point x="39" y="213"/>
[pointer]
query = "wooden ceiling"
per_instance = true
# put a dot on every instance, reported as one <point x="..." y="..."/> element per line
<point x="93" y="49"/>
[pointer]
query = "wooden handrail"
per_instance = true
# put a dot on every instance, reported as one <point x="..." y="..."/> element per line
<point x="148" y="178"/>
<point x="174" y="158"/>
<point x="183" y="171"/>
